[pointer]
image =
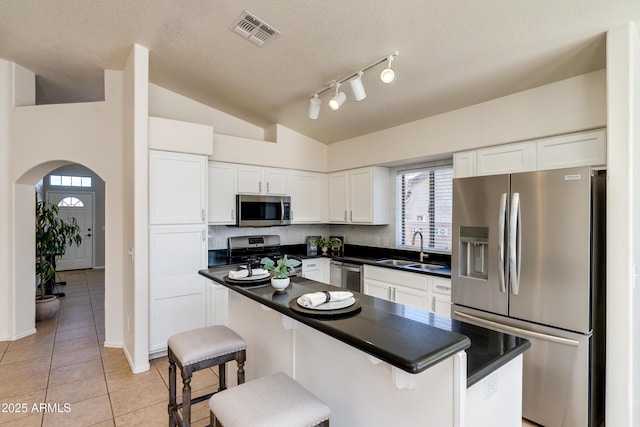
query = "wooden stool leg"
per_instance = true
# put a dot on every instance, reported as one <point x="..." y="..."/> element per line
<point x="172" y="392"/>
<point x="186" y="396"/>
<point x="222" y="377"/>
<point x="242" y="355"/>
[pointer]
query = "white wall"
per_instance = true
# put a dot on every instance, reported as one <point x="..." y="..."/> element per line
<point x="238" y="141"/>
<point x="570" y="105"/>
<point x="623" y="227"/>
<point x="6" y="244"/>
<point x="135" y="248"/>
<point x="46" y="137"/>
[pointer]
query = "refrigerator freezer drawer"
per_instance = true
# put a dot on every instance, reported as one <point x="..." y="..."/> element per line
<point x="556" y="371"/>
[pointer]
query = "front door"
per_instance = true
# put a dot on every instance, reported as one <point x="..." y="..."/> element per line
<point x="79" y="206"/>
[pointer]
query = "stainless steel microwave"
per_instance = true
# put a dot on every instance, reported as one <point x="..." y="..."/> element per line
<point x="262" y="211"/>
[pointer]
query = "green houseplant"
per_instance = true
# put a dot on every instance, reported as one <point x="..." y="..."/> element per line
<point x="52" y="237"/>
<point x="281" y="270"/>
<point x="323" y="243"/>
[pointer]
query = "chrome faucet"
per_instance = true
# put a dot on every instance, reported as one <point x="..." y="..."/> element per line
<point x="413" y="242"/>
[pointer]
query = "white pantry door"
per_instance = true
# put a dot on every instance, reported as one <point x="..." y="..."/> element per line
<point x="79" y="206"/>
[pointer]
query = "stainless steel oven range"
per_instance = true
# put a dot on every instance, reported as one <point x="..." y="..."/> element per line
<point x="251" y="249"/>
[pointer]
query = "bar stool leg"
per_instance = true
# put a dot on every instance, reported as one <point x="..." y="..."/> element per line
<point x="173" y="405"/>
<point x="240" y="359"/>
<point x="186" y="396"/>
<point x="222" y="377"/>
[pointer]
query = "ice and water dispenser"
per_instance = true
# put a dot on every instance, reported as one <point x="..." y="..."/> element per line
<point x="474" y="252"/>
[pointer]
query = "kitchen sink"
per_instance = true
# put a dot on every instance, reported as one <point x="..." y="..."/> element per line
<point x="396" y="262"/>
<point x="423" y="266"/>
<point x="413" y="265"/>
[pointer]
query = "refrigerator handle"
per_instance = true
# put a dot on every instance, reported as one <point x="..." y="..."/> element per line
<point x="515" y="331"/>
<point x="501" y="229"/>
<point x="514" y="244"/>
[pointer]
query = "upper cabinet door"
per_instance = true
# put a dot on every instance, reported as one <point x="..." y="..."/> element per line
<point x="276" y="181"/>
<point x="338" y="197"/>
<point x="259" y="180"/>
<point x="361" y="192"/>
<point x="308" y="195"/>
<point x="222" y="193"/>
<point x="508" y="158"/>
<point x="250" y="179"/>
<point x="177" y="188"/>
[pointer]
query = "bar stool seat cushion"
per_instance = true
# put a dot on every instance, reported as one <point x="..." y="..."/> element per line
<point x="205" y="343"/>
<point x="275" y="400"/>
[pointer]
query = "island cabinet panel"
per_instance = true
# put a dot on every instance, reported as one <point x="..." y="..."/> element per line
<point x="359" y="196"/>
<point x="308" y="197"/>
<point x="360" y="390"/>
<point x="222" y="193"/>
<point x="261" y="180"/>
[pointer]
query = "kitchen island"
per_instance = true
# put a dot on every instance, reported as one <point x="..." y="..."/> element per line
<point x="385" y="364"/>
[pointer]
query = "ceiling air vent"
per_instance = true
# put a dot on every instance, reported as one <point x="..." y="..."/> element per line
<point x="253" y="28"/>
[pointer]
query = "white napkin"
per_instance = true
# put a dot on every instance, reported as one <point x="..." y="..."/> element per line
<point x="316" y="298"/>
<point x="241" y="274"/>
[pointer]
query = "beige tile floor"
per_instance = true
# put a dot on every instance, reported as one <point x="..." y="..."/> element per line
<point x="66" y="366"/>
<point x="65" y="363"/>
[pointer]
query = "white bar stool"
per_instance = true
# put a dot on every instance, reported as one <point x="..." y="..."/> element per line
<point x="271" y="401"/>
<point x="200" y="349"/>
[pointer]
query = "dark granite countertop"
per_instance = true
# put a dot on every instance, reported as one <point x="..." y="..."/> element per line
<point x="405" y="337"/>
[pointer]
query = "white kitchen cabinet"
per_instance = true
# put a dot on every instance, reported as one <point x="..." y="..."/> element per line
<point x="406" y="288"/>
<point x="316" y="269"/>
<point x="222" y="193"/>
<point x="177" y="188"/>
<point x="464" y="164"/>
<point x="572" y="150"/>
<point x="177" y="293"/>
<point x="508" y="158"/>
<point x="359" y="196"/>
<point x="339" y="197"/>
<point x="261" y="180"/>
<point x="308" y="197"/>
<point x="441" y="296"/>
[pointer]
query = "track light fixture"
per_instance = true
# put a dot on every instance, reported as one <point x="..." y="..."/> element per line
<point x="388" y="75"/>
<point x="357" y="88"/>
<point x="338" y="99"/>
<point x="355" y="83"/>
<point x="314" y="107"/>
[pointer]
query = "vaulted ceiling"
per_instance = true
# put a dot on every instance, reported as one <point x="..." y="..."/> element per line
<point x="452" y="53"/>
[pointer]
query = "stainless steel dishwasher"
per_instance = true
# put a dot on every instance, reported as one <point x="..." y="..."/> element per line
<point x="346" y="275"/>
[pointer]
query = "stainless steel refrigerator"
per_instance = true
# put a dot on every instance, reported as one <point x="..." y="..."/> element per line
<point x="528" y="259"/>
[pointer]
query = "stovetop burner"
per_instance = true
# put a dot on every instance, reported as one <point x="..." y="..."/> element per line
<point x="251" y="249"/>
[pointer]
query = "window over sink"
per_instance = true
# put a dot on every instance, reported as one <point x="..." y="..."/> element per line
<point x="424" y="203"/>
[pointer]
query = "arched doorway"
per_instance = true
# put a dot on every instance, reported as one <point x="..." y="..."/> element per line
<point x="24" y="242"/>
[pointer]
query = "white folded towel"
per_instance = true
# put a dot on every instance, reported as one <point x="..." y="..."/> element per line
<point x="241" y="274"/>
<point x="316" y="298"/>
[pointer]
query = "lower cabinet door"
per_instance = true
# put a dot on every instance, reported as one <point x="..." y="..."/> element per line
<point x="377" y="289"/>
<point x="441" y="305"/>
<point x="412" y="297"/>
<point x="177" y="293"/>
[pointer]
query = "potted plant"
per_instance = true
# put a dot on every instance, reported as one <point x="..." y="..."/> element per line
<point x="52" y="236"/>
<point x="281" y="270"/>
<point x="324" y="244"/>
<point x="336" y="244"/>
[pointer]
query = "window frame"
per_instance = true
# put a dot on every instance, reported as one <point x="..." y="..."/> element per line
<point x="400" y="221"/>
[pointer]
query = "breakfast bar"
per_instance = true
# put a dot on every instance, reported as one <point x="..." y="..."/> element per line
<point x="384" y="363"/>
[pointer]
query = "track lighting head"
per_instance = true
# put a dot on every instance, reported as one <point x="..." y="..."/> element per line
<point x="357" y="88"/>
<point x="338" y="99"/>
<point x="314" y="107"/>
<point x="388" y="75"/>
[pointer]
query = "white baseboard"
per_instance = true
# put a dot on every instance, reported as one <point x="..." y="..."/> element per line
<point x="135" y="369"/>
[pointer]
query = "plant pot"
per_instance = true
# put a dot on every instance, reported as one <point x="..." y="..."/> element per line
<point x="324" y="250"/>
<point x="47" y="308"/>
<point x="280" y="284"/>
